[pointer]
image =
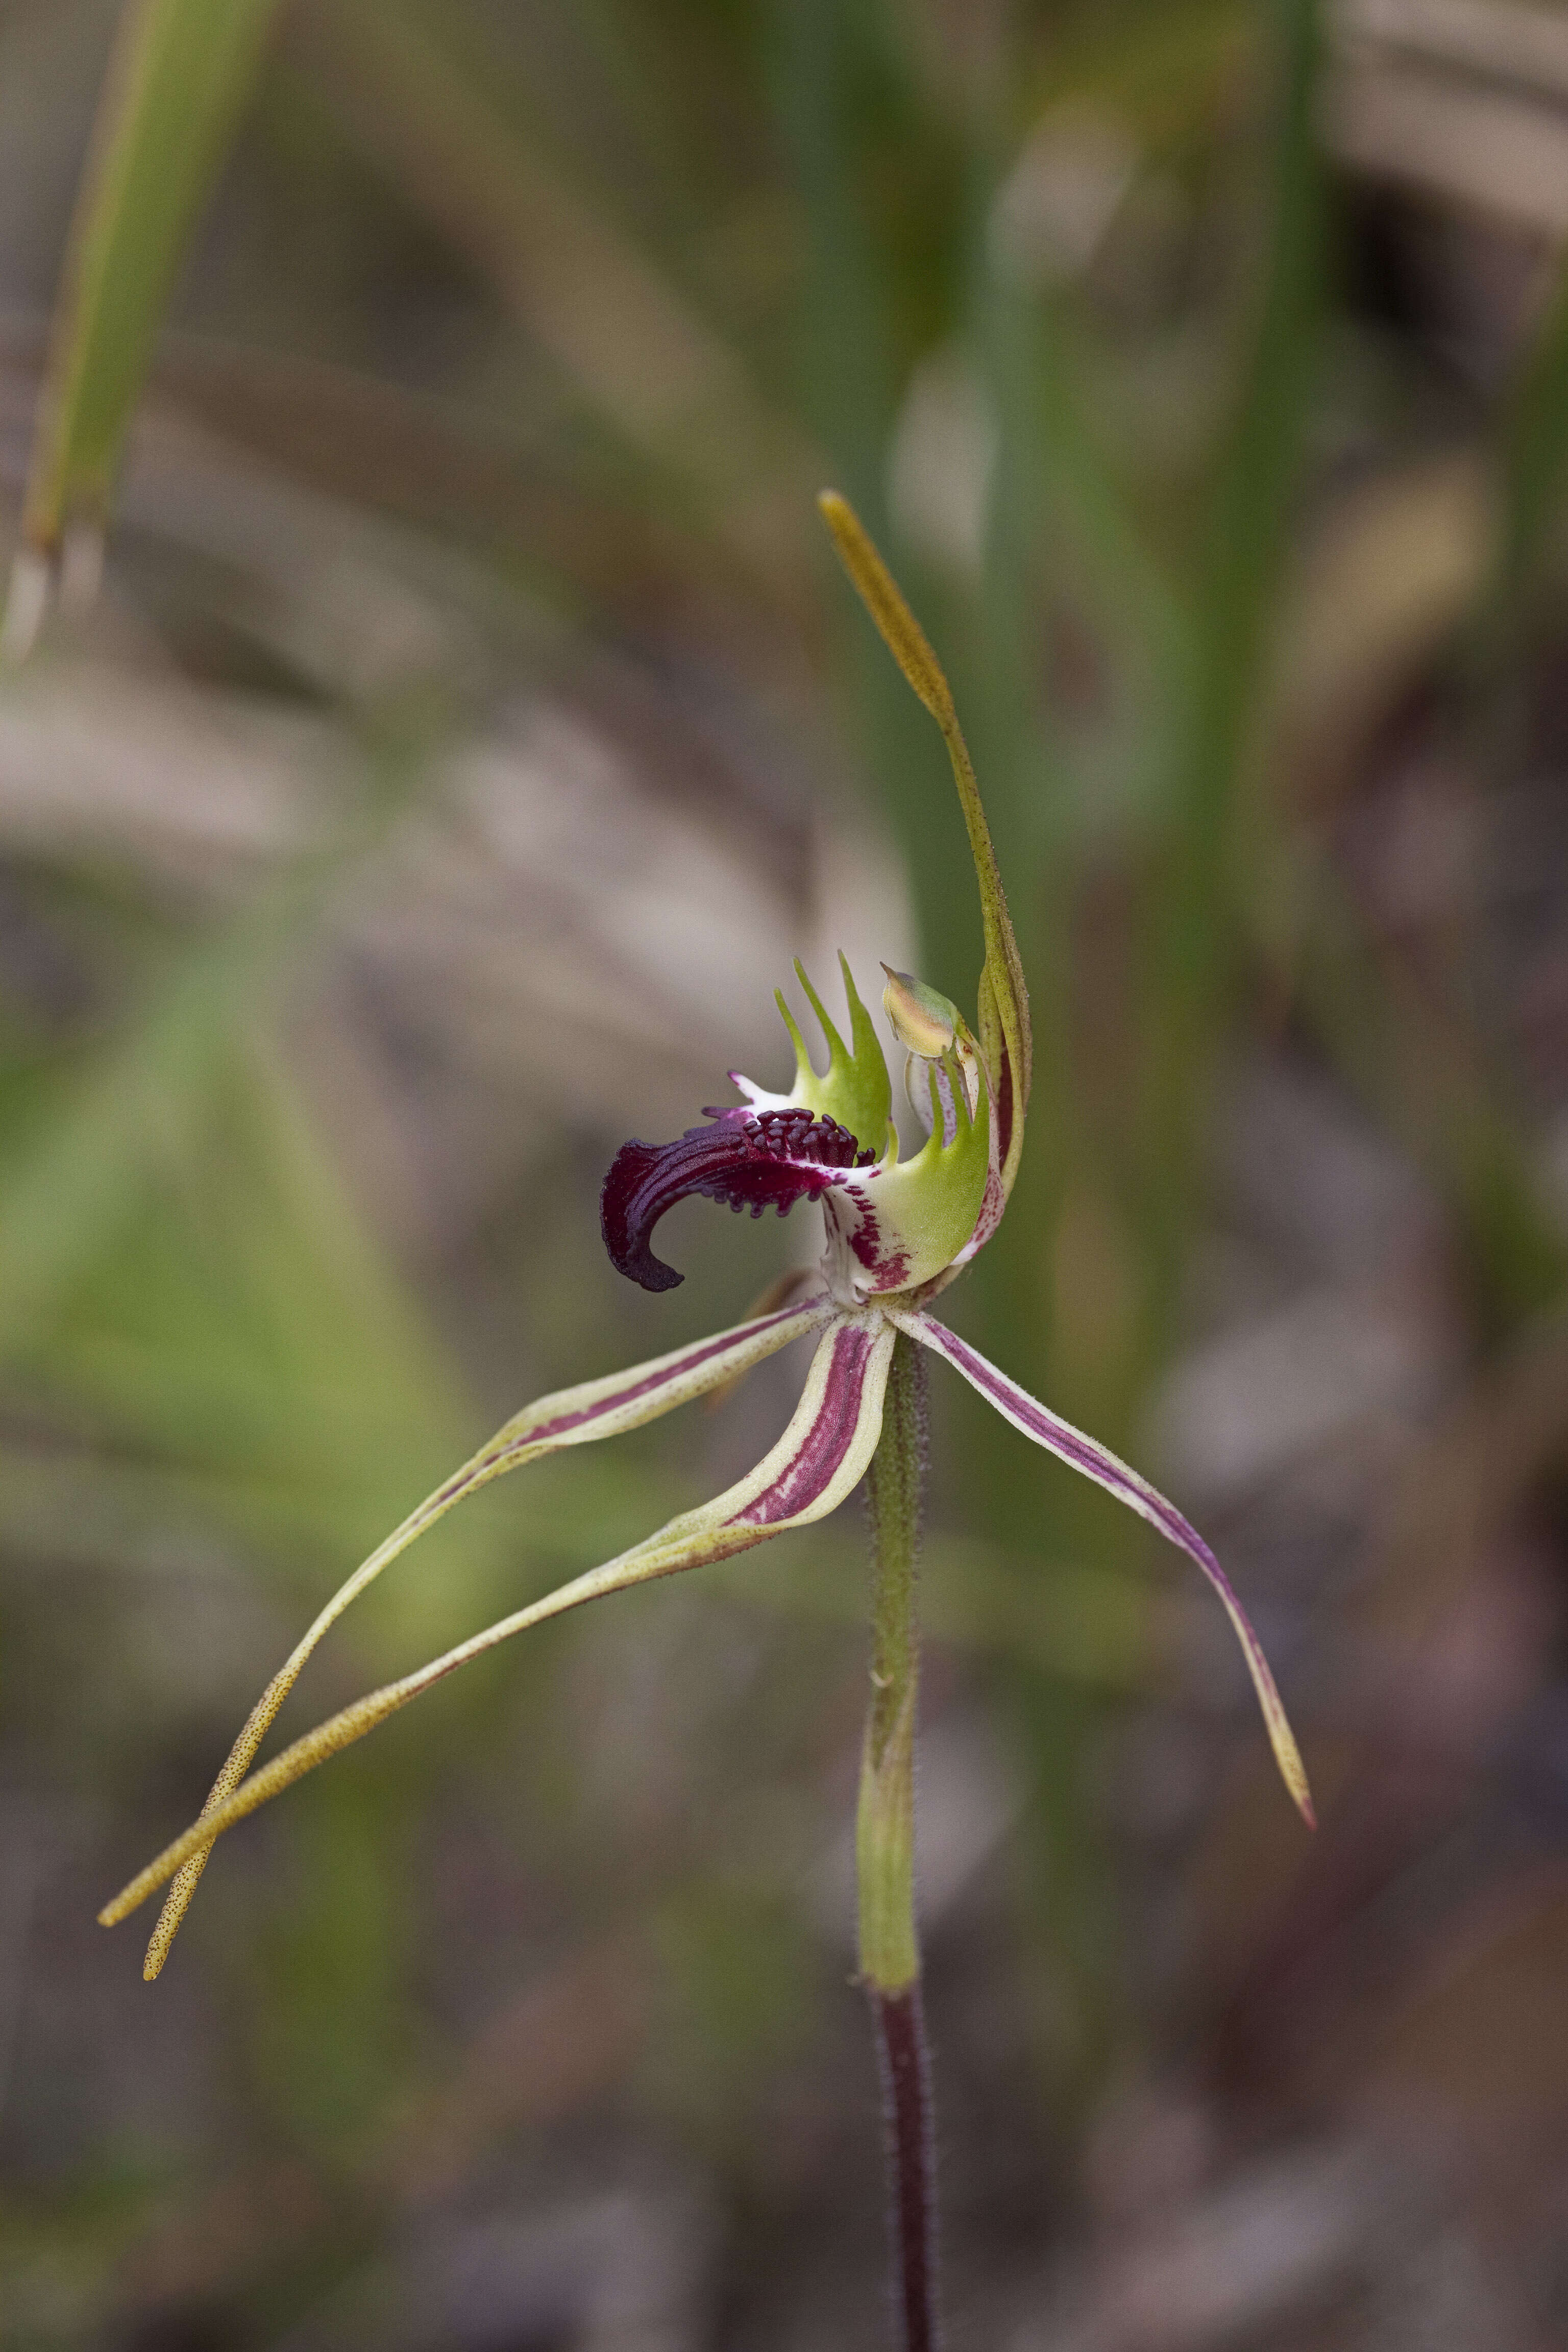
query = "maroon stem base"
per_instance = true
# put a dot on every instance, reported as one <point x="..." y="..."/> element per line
<point x="905" y="2066"/>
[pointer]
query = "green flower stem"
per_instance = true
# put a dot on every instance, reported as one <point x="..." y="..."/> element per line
<point x="885" y="1843"/>
<point x="885" y="1831"/>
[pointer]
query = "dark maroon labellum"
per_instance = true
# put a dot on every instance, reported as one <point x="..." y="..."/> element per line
<point x="748" y="1159"/>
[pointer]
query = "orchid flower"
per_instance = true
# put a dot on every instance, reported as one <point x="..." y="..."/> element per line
<point x="903" y="1215"/>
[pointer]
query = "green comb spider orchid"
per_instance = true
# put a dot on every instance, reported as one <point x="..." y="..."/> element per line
<point x="903" y="1214"/>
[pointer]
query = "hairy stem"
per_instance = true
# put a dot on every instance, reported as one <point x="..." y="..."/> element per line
<point x="885" y="1840"/>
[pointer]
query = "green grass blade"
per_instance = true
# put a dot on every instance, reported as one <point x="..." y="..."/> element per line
<point x="67" y="1184"/>
<point x="179" y="73"/>
<point x="63" y="1193"/>
<point x="1195" y="933"/>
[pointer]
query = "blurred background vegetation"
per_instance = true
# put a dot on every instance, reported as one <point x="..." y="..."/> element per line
<point x="421" y="786"/>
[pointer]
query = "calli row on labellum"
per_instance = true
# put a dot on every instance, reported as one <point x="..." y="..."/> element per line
<point x="901" y="1218"/>
<point x="896" y="1225"/>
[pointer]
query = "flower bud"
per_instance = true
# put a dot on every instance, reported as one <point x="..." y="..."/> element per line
<point x="923" y="1021"/>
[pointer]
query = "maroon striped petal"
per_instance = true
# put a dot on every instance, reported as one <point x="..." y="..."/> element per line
<point x="821" y="1456"/>
<point x="1096" y="1462"/>
<point x="574" y="1416"/>
<point x="746" y="1158"/>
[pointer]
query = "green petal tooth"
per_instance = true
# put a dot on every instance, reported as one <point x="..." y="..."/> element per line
<point x="862" y="1028"/>
<point x="927" y="1205"/>
<point x="805" y="1074"/>
<point x="855" y="1089"/>
<point x="837" y="1053"/>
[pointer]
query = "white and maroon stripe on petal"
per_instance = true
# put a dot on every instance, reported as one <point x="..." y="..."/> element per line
<point x="827" y="1442"/>
<point x="853" y="1217"/>
<point x="1084" y="1452"/>
<point x="1096" y="1462"/>
<point x="666" y="1376"/>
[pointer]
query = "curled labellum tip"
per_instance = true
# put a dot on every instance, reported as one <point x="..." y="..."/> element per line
<point x="746" y="1159"/>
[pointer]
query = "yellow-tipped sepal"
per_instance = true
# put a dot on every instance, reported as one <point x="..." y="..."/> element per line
<point x="1003" y="1020"/>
